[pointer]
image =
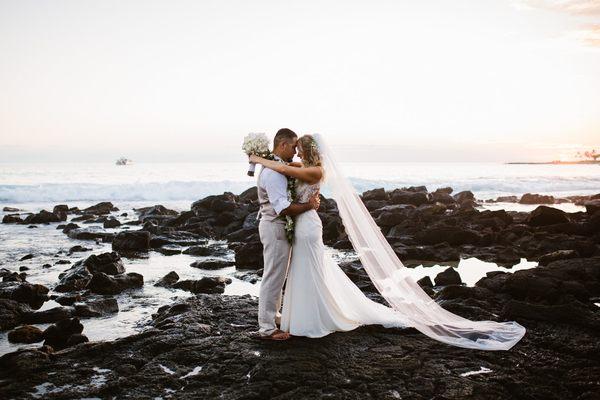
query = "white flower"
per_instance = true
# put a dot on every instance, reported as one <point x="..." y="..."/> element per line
<point x="256" y="144"/>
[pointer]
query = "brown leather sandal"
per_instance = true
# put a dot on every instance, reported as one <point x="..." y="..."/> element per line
<point x="276" y="335"/>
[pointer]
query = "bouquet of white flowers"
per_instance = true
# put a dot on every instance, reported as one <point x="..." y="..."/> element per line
<point x="255" y="144"/>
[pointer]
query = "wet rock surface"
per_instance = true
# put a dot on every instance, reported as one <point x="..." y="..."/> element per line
<point x="80" y="274"/>
<point x="448" y="277"/>
<point x="168" y="280"/>
<point x="102" y="283"/>
<point x="208" y="284"/>
<point x="12" y="313"/>
<point x="26" y="334"/>
<point x="105" y="207"/>
<point x="420" y="225"/>
<point x="64" y="333"/>
<point x="50" y="315"/>
<point x="91" y="233"/>
<point x="24" y="292"/>
<point x="131" y="241"/>
<point x="429" y="226"/>
<point x="96" y="308"/>
<point x="212" y="263"/>
<point x="202" y="348"/>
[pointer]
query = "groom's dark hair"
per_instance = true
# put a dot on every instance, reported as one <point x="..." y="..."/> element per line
<point x="284" y="134"/>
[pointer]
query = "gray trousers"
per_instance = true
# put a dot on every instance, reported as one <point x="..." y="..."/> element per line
<point x="276" y="253"/>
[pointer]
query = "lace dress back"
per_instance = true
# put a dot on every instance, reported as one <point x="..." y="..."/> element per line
<point x="304" y="190"/>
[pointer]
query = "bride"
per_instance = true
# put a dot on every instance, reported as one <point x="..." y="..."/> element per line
<point x="319" y="298"/>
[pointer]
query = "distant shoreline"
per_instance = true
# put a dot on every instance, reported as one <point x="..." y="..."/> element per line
<point x="557" y="162"/>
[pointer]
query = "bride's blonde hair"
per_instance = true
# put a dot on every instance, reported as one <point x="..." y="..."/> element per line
<point x="310" y="152"/>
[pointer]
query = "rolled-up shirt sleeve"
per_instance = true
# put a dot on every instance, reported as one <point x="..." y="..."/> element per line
<point x="276" y="187"/>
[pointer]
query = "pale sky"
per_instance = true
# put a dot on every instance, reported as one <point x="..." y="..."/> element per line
<point x="458" y="80"/>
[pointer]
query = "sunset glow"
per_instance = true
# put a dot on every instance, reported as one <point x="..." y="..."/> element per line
<point x="487" y="80"/>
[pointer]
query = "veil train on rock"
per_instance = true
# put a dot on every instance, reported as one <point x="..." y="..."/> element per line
<point x="391" y="279"/>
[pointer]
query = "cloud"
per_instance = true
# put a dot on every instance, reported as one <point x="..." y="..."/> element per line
<point x="591" y="35"/>
<point x="588" y="35"/>
<point x="574" y="7"/>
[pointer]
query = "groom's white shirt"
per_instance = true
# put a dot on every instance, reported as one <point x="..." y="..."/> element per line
<point x="275" y="186"/>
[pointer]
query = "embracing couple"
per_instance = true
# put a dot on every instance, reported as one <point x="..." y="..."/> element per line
<point x="319" y="298"/>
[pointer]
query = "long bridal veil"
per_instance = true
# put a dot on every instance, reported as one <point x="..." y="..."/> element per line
<point x="391" y="279"/>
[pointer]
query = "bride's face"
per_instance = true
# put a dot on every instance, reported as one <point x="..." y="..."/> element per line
<point x="300" y="152"/>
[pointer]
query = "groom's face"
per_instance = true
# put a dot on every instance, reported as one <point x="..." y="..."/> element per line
<point x="289" y="149"/>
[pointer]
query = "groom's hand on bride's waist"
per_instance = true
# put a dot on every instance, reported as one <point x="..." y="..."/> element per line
<point x="315" y="201"/>
<point x="298" y="208"/>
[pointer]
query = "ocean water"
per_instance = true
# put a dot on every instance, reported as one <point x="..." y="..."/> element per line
<point x="185" y="182"/>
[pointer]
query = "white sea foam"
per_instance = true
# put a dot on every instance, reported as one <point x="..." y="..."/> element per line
<point x="193" y="372"/>
<point x="167" y="369"/>
<point x="151" y="191"/>
<point x="482" y="370"/>
<point x="23" y="183"/>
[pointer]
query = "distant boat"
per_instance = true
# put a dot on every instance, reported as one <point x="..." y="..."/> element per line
<point x="124" y="161"/>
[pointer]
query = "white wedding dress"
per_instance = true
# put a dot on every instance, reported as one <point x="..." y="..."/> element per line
<point x="319" y="298"/>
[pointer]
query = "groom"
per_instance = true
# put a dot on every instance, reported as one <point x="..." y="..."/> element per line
<point x="273" y="200"/>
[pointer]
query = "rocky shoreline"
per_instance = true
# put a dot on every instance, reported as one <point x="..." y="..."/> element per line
<point x="200" y="347"/>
